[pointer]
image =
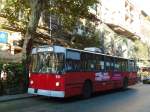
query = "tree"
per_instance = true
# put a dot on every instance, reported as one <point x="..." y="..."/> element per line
<point x="24" y="16"/>
<point x="36" y="7"/>
<point x="30" y="11"/>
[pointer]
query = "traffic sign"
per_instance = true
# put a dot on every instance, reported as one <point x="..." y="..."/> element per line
<point x="3" y="37"/>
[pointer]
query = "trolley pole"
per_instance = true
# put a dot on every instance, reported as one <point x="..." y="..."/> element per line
<point x="50" y="20"/>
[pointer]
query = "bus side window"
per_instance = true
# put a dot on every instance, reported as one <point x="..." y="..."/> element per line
<point x="120" y="65"/>
<point x="112" y="66"/>
<point x="98" y="66"/>
<point x="133" y="66"/>
<point x="108" y="66"/>
<point x="102" y="65"/>
<point x="77" y="66"/>
<point x="73" y="65"/>
<point x="130" y="66"/>
<point x="82" y="66"/>
<point x="116" y="67"/>
<point x="91" y="65"/>
<point x="123" y="66"/>
<point x="69" y="66"/>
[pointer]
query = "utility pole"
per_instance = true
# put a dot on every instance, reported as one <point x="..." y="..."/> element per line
<point x="101" y="38"/>
<point x="50" y="20"/>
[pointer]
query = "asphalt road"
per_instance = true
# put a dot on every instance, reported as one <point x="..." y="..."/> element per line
<point x="134" y="99"/>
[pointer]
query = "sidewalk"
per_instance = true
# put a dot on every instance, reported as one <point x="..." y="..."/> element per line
<point x="14" y="97"/>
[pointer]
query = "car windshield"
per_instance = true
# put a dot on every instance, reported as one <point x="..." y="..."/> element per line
<point x="47" y="62"/>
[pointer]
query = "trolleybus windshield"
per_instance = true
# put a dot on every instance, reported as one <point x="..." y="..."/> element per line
<point x="47" y="62"/>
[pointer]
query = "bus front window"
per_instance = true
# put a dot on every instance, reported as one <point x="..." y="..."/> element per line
<point x="47" y="62"/>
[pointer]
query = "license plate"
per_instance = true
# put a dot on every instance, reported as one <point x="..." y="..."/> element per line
<point x="35" y="90"/>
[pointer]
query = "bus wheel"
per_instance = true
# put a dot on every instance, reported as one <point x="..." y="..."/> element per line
<point x="87" y="89"/>
<point x="125" y="83"/>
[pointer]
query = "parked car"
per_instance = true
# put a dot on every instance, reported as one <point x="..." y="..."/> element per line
<point x="146" y="80"/>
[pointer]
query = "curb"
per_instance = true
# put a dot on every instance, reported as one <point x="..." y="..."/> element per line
<point x="14" y="97"/>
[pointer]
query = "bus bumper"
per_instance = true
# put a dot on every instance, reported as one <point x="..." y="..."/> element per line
<point x="60" y="94"/>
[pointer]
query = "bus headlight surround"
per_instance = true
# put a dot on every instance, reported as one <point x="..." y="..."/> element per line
<point x="57" y="84"/>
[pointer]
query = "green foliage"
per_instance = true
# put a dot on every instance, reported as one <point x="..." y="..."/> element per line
<point x="141" y="50"/>
<point x="14" y="81"/>
<point x="69" y="10"/>
<point x="86" y="41"/>
<point x="1" y="66"/>
<point x="17" y="12"/>
<point x="20" y="14"/>
<point x="25" y="15"/>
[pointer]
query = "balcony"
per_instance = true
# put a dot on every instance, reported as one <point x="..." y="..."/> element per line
<point x="122" y="31"/>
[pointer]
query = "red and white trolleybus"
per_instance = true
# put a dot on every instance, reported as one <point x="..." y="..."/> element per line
<point x="63" y="72"/>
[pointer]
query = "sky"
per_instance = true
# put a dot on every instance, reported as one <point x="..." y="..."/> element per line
<point x="143" y="4"/>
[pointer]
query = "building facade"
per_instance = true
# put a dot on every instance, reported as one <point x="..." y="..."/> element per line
<point x="9" y="41"/>
<point x="124" y="18"/>
<point x="121" y="23"/>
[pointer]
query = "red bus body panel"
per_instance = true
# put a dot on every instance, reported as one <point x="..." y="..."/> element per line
<point x="72" y="82"/>
<point x="46" y="82"/>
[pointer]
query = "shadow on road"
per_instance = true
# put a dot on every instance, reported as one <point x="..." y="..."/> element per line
<point x="124" y="93"/>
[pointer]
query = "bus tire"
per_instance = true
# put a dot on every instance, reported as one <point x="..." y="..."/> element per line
<point x="125" y="83"/>
<point x="87" y="89"/>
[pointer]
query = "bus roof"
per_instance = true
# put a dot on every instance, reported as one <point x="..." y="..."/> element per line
<point x="63" y="49"/>
<point x="86" y="51"/>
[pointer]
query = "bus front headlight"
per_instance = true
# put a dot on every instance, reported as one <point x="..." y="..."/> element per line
<point x="57" y="84"/>
<point x="31" y="82"/>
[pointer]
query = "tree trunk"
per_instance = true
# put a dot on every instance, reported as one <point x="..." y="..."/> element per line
<point x="36" y="8"/>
